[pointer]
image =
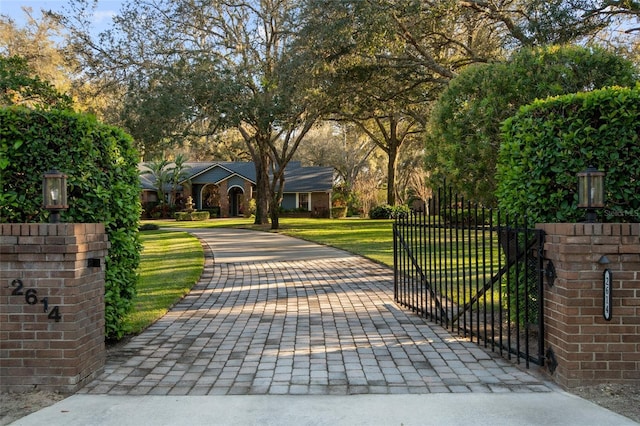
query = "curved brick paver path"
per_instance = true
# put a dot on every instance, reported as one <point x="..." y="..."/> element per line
<point x="276" y="315"/>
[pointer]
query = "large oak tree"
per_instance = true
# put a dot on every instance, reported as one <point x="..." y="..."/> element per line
<point x="229" y="63"/>
<point x="387" y="61"/>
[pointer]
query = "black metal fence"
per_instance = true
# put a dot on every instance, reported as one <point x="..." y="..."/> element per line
<point x="474" y="271"/>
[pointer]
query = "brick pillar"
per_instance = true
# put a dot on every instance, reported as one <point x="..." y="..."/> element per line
<point x="589" y="349"/>
<point x="63" y="348"/>
<point x="223" y="190"/>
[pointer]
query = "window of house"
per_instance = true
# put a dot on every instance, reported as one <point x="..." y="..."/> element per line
<point x="303" y="201"/>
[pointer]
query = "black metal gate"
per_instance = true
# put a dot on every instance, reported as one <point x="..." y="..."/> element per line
<point x="474" y="271"/>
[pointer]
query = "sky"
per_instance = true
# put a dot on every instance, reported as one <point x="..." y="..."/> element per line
<point x="13" y="9"/>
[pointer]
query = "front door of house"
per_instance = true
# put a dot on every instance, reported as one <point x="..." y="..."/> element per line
<point x="235" y="201"/>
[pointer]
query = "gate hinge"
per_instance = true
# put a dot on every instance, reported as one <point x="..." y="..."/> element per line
<point x="550" y="273"/>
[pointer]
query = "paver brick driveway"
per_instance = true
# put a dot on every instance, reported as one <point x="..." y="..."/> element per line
<point x="276" y="315"/>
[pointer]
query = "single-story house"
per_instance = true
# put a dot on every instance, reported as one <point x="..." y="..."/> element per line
<point x="229" y="186"/>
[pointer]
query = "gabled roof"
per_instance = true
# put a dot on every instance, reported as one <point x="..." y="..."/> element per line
<point x="297" y="178"/>
<point x="245" y="170"/>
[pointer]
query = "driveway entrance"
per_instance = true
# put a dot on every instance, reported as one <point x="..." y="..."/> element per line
<point x="277" y="315"/>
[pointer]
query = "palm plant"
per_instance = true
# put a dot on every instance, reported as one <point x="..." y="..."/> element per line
<point x="162" y="176"/>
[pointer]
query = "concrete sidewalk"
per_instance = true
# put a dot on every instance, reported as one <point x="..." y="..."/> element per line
<point x="521" y="409"/>
<point x="282" y="331"/>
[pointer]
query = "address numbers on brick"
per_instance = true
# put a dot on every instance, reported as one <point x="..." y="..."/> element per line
<point x="31" y="298"/>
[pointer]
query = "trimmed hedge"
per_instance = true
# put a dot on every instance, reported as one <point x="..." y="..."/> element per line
<point x="148" y="227"/>
<point x="103" y="187"/>
<point x="385" y="211"/>
<point x="551" y="140"/>
<point x="464" y="132"/>
<point x="187" y="216"/>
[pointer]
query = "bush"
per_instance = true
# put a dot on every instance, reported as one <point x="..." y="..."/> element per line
<point x="382" y="211"/>
<point x="147" y="208"/>
<point x="103" y="187"/>
<point x="385" y="211"/>
<point x="186" y="216"/>
<point x="213" y="211"/>
<point x="549" y="141"/>
<point x="162" y="211"/>
<point x="400" y="210"/>
<point x="149" y="227"/>
<point x="339" y="212"/>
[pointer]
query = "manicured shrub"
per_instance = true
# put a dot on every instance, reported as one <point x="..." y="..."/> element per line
<point x="400" y="210"/>
<point x="103" y="187"/>
<point x="551" y="140"/>
<point x="213" y="211"/>
<point x="547" y="143"/>
<point x="149" y="227"/>
<point x="187" y="216"/>
<point x="385" y="211"/>
<point x="382" y="211"/>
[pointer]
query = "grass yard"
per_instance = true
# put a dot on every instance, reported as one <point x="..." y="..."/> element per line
<point x="366" y="237"/>
<point x="171" y="263"/>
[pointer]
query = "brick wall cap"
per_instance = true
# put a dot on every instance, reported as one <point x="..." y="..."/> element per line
<point x="589" y="229"/>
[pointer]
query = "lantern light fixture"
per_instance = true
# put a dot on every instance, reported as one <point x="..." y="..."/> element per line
<point x="54" y="194"/>
<point x="591" y="192"/>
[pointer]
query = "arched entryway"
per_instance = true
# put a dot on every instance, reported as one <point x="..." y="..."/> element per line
<point x="236" y="201"/>
<point x="210" y="198"/>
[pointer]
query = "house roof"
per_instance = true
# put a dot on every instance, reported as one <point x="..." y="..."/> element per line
<point x="297" y="177"/>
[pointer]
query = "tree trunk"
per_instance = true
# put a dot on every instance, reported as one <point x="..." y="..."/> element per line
<point x="260" y="159"/>
<point x="263" y="192"/>
<point x="391" y="174"/>
<point x="275" y="219"/>
<point x="276" y="201"/>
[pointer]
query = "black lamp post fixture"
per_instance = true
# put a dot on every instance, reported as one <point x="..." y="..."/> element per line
<point x="591" y="192"/>
<point x="54" y="193"/>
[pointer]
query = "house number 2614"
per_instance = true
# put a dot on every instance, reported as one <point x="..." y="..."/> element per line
<point x="31" y="297"/>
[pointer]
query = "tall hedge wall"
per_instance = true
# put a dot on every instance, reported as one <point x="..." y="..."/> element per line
<point x="551" y="140"/>
<point x="103" y="187"/>
<point x="464" y="132"/>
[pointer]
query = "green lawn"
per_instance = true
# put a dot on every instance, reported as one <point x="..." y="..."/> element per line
<point x="171" y="263"/>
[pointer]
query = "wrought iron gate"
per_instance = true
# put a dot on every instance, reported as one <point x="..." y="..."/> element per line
<point x="474" y="271"/>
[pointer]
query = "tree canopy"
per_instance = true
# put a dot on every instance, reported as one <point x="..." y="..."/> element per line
<point x="43" y="46"/>
<point x="35" y="43"/>
<point x="188" y="72"/>
<point x="229" y="63"/>
<point x="385" y="62"/>
<point x="20" y="86"/>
